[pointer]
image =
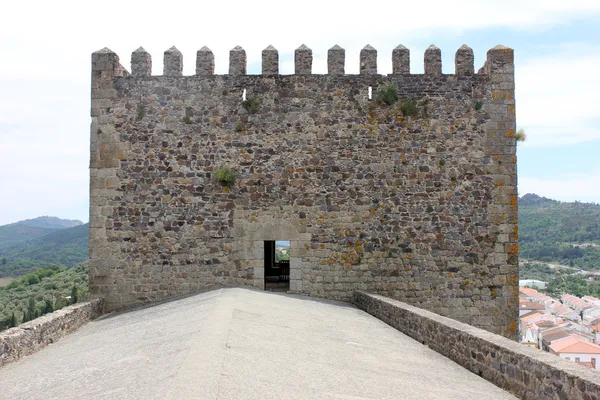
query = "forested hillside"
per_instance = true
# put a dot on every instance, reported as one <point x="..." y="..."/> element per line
<point x="66" y="247"/>
<point x="41" y="292"/>
<point x="561" y="232"/>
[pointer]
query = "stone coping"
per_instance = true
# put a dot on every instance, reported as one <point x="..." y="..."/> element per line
<point x="526" y="372"/>
<point x="27" y="338"/>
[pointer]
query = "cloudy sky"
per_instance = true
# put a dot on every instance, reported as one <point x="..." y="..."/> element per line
<point x="45" y="74"/>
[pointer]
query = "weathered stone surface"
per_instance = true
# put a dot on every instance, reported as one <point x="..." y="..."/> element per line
<point x="237" y="61"/>
<point x="270" y="61"/>
<point x="205" y="61"/>
<point x="420" y="208"/>
<point x="368" y="60"/>
<point x="401" y="60"/>
<point x="433" y="61"/>
<point x="303" y="59"/>
<point x="27" y="338"/>
<point x="226" y="344"/>
<point x="521" y="370"/>
<point x="336" y="60"/>
<point x="173" y="62"/>
<point x="463" y="62"/>
<point x="141" y="63"/>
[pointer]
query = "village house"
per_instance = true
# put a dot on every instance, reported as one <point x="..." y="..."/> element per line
<point x="575" y="349"/>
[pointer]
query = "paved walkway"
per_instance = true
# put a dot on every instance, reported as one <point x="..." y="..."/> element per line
<point x="241" y="344"/>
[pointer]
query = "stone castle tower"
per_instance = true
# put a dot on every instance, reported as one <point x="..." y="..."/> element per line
<point x="401" y="184"/>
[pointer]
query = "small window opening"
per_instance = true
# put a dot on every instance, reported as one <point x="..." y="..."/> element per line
<point x="244" y="95"/>
<point x="370" y="93"/>
<point x="277" y="265"/>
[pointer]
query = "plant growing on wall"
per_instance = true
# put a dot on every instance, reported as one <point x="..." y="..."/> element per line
<point x="520" y="135"/>
<point x="251" y="105"/>
<point x="409" y="108"/>
<point x="226" y="176"/>
<point x="388" y="94"/>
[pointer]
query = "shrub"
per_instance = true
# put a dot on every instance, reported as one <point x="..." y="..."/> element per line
<point x="478" y="105"/>
<point x="409" y="108"/>
<point x="251" y="105"/>
<point x="226" y="176"/>
<point x="388" y="94"/>
<point x="521" y="136"/>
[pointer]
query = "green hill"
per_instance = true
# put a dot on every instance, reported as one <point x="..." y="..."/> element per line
<point x="40" y="292"/>
<point x="562" y="232"/>
<point x="66" y="247"/>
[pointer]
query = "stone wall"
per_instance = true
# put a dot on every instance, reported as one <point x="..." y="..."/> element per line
<point x="32" y="336"/>
<point x="519" y="369"/>
<point x="414" y="200"/>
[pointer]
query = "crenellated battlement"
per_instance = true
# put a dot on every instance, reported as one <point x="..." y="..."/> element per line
<point x="141" y="61"/>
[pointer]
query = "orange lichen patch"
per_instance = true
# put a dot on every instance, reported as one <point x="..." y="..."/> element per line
<point x="515" y="229"/>
<point x="503" y="95"/>
<point x="409" y="256"/>
<point x="323" y="262"/>
<point x="338" y="91"/>
<point x="227" y="247"/>
<point x="511" y="109"/>
<point x="513" y="248"/>
<point x="439" y="236"/>
<point x="510" y="133"/>
<point x="450" y="274"/>
<point x="499" y="183"/>
<point x="300" y="170"/>
<point x="322" y="246"/>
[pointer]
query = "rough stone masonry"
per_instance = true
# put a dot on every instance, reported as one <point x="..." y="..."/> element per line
<point x="415" y="200"/>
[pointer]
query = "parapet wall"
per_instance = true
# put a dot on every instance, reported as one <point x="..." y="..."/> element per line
<point x="415" y="200"/>
<point x="521" y="370"/>
<point x="27" y="338"/>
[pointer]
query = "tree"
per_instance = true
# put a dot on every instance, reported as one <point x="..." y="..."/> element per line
<point x="74" y="294"/>
<point x="48" y="308"/>
<point x="13" y="321"/>
<point x="31" y="309"/>
<point x="4" y="261"/>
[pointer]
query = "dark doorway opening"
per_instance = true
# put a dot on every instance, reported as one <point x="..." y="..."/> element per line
<point x="277" y="265"/>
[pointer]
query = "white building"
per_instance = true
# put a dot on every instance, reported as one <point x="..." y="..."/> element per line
<point x="532" y="283"/>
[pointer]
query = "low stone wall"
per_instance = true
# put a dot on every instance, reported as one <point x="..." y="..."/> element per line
<point x="523" y="371"/>
<point x="31" y="336"/>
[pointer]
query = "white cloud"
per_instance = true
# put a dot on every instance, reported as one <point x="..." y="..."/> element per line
<point x="584" y="187"/>
<point x="557" y="96"/>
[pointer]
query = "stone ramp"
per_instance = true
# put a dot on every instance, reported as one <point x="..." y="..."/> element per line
<point x="241" y="344"/>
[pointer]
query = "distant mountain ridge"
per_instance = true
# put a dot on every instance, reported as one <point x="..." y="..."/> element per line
<point x="28" y="229"/>
<point x="49" y="222"/>
<point x="35" y="243"/>
<point x="532" y="199"/>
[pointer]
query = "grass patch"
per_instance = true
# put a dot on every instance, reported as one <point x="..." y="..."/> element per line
<point x="409" y="108"/>
<point x="388" y="94"/>
<point x="251" y="105"/>
<point x="226" y="176"/>
<point x="141" y="111"/>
